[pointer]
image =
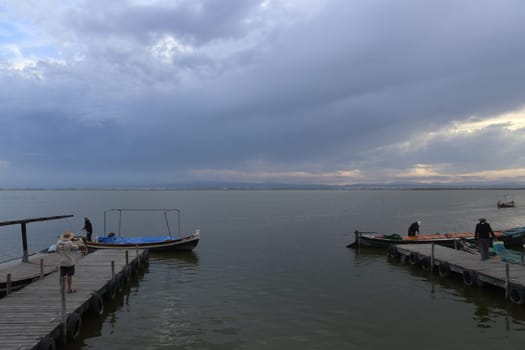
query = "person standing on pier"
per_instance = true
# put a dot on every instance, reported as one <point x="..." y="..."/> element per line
<point x="88" y="228"/>
<point x="484" y="234"/>
<point x="67" y="249"/>
<point x="414" y="228"/>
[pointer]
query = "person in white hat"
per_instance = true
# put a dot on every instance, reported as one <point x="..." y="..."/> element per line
<point x="67" y="250"/>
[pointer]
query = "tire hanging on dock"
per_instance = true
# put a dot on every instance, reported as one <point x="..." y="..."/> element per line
<point x="444" y="269"/>
<point x="111" y="290"/>
<point x="47" y="343"/>
<point x="469" y="278"/>
<point x="120" y="282"/>
<point x="392" y="252"/>
<point x="426" y="263"/>
<point x="516" y="294"/>
<point x="413" y="258"/>
<point x="128" y="273"/>
<point x="73" y="324"/>
<point x="96" y="305"/>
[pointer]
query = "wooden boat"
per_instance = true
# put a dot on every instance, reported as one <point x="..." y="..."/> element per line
<point x="514" y="237"/>
<point x="507" y="203"/>
<point x="161" y="243"/>
<point x="374" y="240"/>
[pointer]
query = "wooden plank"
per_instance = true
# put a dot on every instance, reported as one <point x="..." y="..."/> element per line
<point x="491" y="271"/>
<point x="26" y="319"/>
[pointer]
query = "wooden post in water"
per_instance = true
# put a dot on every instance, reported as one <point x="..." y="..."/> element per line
<point x="24" y="243"/>
<point x="8" y="284"/>
<point x="358" y="238"/>
<point x="507" y="280"/>
<point x="113" y="270"/>
<point x="41" y="268"/>
<point x="432" y="258"/>
<point x="127" y="257"/>
<point x="63" y="308"/>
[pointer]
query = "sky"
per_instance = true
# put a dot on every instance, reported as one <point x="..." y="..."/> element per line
<point x="337" y="92"/>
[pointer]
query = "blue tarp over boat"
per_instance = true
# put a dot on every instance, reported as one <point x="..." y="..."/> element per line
<point x="133" y="240"/>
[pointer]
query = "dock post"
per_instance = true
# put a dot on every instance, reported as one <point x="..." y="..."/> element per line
<point x="507" y="280"/>
<point x="25" y="258"/>
<point x="432" y="258"/>
<point x="358" y="238"/>
<point x="113" y="269"/>
<point x="8" y="284"/>
<point x="41" y="268"/>
<point x="127" y="257"/>
<point x="63" y="303"/>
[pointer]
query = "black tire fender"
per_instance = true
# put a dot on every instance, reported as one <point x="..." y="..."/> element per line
<point x="469" y="278"/>
<point x="516" y="293"/>
<point x="128" y="273"/>
<point x="47" y="343"/>
<point x="111" y="290"/>
<point x="413" y="258"/>
<point x="426" y="263"/>
<point x="73" y="325"/>
<point x="392" y="251"/>
<point x="120" y="282"/>
<point x="444" y="269"/>
<point x="96" y="305"/>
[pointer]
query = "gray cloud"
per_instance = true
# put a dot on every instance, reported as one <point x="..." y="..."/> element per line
<point x="235" y="85"/>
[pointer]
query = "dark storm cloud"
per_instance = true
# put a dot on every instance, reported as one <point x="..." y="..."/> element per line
<point x="163" y="90"/>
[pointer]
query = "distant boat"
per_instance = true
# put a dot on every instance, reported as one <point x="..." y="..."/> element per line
<point x="157" y="243"/>
<point x="507" y="203"/>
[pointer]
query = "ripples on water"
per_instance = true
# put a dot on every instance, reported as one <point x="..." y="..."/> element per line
<point x="272" y="272"/>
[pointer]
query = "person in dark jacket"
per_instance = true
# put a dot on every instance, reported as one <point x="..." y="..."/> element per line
<point x="88" y="228"/>
<point x="484" y="234"/>
<point x="414" y="228"/>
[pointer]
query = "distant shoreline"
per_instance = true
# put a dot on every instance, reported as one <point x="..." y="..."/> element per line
<point x="274" y="188"/>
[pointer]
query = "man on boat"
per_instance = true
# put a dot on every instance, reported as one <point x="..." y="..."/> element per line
<point x="414" y="228"/>
<point x="88" y="228"/>
<point x="484" y="234"/>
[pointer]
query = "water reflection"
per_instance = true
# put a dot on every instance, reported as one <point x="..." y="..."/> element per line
<point x="490" y="308"/>
<point x="188" y="258"/>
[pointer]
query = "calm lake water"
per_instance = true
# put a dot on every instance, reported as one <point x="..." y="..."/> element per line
<point x="272" y="270"/>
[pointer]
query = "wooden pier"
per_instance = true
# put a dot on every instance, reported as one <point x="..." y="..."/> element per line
<point x="474" y="272"/>
<point x="38" y="316"/>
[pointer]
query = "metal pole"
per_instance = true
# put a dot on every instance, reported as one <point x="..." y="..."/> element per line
<point x="167" y="223"/>
<point x="432" y="258"/>
<point x="24" y="242"/>
<point x="507" y="280"/>
<point x="64" y="315"/>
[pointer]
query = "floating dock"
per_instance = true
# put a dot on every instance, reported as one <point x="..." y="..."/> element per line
<point x="40" y="315"/>
<point x="469" y="267"/>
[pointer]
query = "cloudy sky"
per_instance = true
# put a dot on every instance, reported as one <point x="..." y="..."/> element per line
<point x="133" y="92"/>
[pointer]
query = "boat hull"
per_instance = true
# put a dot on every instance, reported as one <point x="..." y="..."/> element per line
<point x="446" y="239"/>
<point x="187" y="243"/>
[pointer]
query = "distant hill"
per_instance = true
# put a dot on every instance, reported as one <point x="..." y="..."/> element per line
<point x="217" y="185"/>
